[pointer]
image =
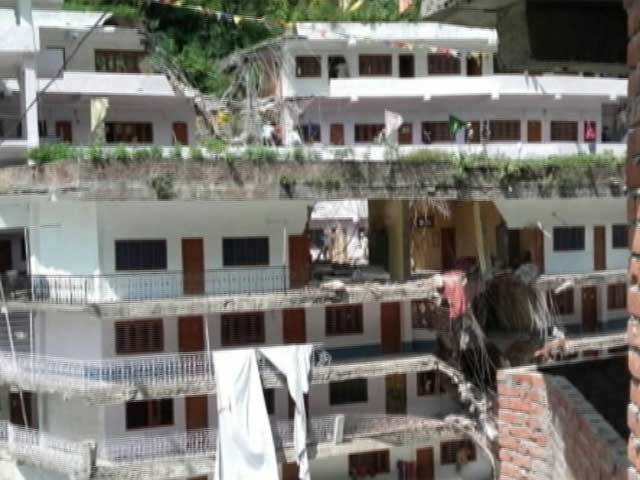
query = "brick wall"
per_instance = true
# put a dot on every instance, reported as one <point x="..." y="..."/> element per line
<point x="633" y="213"/>
<point x="548" y="431"/>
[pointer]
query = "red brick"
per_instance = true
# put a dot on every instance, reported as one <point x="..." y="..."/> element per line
<point x="634" y="363"/>
<point x="633" y="208"/>
<point x="634" y="452"/>
<point x="633" y="421"/>
<point x="633" y="336"/>
<point x="633" y="300"/>
<point x="507" y="391"/>
<point x="632" y="170"/>
<point x="508" y="471"/>
<point x="633" y="51"/>
<point x="634" y="238"/>
<point x="635" y="392"/>
<point x="633" y="19"/>
<point x="634" y="271"/>
<point x="511" y="417"/>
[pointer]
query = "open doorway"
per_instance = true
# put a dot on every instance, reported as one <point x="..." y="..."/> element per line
<point x="14" y="264"/>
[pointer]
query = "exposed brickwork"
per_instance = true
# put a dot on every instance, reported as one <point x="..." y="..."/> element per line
<point x="547" y="430"/>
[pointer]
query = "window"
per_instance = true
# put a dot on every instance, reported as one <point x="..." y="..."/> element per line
<point x="449" y="451"/>
<point x="375" y="65"/>
<point x="567" y="239"/>
<point x="620" y="236"/>
<point x="141" y="254"/>
<point x="348" y="391"/>
<point x="368" y="464"/>
<point x="128" y="132"/>
<point x="368" y="132"/>
<point x="562" y="302"/>
<point x="505" y="130"/>
<point x="149" y="413"/>
<point x="118" y="61"/>
<point x="338" y="67"/>
<point x="245" y="252"/>
<point x="308" y="67"/>
<point x="311" y="133"/>
<point x="617" y="296"/>
<point x="269" y="400"/>
<point x="139" y="336"/>
<point x="443" y="64"/>
<point x="242" y="329"/>
<point x="564" y="131"/>
<point x="343" y="319"/>
<point x="435" y="132"/>
<point x="432" y="383"/>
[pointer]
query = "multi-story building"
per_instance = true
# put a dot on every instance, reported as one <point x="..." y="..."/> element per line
<point x="78" y="78"/>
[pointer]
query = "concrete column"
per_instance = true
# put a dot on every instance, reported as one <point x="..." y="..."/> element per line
<point x="487" y="64"/>
<point x="99" y="109"/>
<point x="389" y="223"/>
<point x="28" y="91"/>
<point x="463" y="63"/>
<point x="23" y="12"/>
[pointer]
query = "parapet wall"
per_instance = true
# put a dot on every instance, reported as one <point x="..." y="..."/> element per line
<point x="549" y="431"/>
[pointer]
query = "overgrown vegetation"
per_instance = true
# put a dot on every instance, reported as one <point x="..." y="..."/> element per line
<point x="194" y="42"/>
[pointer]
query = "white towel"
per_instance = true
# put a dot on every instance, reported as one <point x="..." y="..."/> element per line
<point x="294" y="362"/>
<point x="245" y="443"/>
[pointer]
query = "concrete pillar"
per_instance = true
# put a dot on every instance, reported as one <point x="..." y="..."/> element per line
<point x="487" y="64"/>
<point x="389" y="224"/>
<point x="28" y="90"/>
<point x="23" y="12"/>
<point x="463" y="63"/>
<point x="99" y="109"/>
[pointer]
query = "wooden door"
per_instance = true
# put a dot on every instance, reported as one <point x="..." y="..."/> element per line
<point x="407" y="66"/>
<point x="425" y="469"/>
<point x="336" y="134"/>
<point x="289" y="471"/>
<point x="448" y="247"/>
<point x="16" y="416"/>
<point x="390" y="328"/>
<point x="396" y="394"/>
<point x="191" y="334"/>
<point x="193" y="266"/>
<point x="63" y="131"/>
<point x="299" y="261"/>
<point x="196" y="412"/>
<point x="405" y="134"/>
<point x="6" y="260"/>
<point x="180" y="133"/>
<point x="534" y="131"/>
<point x="474" y="67"/>
<point x="599" y="248"/>
<point x="589" y="309"/>
<point x="294" y="328"/>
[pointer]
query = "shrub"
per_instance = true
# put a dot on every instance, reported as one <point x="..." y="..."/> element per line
<point x="52" y="153"/>
<point x="195" y="154"/>
<point x="96" y="155"/>
<point x="142" y="155"/>
<point x="216" y="145"/>
<point x="121" y="154"/>
<point x="156" y="153"/>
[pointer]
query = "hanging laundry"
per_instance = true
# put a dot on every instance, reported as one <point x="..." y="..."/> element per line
<point x="245" y="443"/>
<point x="294" y="362"/>
<point x="453" y="284"/>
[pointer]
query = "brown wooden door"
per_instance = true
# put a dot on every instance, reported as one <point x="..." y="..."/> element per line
<point x="191" y="334"/>
<point x="396" y="394"/>
<point x="599" y="248"/>
<point x="193" y="265"/>
<point x="180" y="133"/>
<point x="534" y="131"/>
<point x="63" y="131"/>
<point x="390" y="328"/>
<point x="448" y="247"/>
<point x="425" y="469"/>
<point x="16" y="416"/>
<point x="299" y="261"/>
<point x="336" y="134"/>
<point x="405" y="134"/>
<point x="589" y="309"/>
<point x="474" y="67"/>
<point x="289" y="471"/>
<point x="294" y="329"/>
<point x="196" y="412"/>
<point x="407" y="68"/>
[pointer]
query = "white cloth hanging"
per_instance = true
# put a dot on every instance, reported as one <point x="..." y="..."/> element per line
<point x="245" y="443"/>
<point x="294" y="362"/>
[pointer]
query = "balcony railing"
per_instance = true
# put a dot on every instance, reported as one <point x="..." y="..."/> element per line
<point x="139" y="286"/>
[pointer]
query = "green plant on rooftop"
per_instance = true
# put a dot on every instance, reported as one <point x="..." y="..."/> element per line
<point x="51" y="153"/>
<point x="163" y="185"/>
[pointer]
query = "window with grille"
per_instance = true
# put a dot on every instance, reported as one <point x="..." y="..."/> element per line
<point x="432" y="383"/>
<point x="374" y="65"/>
<point x="563" y="131"/>
<point x="368" y="132"/>
<point x="617" y="296"/>
<point x="348" y="391"/>
<point x="433" y="132"/>
<point x="308" y="67"/>
<point x="128" y="132"/>
<point x="118" y="61"/>
<point x="270" y="400"/>
<point x="449" y="451"/>
<point x="139" y="336"/>
<point x="245" y="252"/>
<point x="311" y="133"/>
<point x="343" y="319"/>
<point x="620" y="236"/>
<point x="149" y="413"/>
<point x="505" y="130"/>
<point x="242" y="329"/>
<point x="567" y="239"/>
<point x="561" y="302"/>
<point x="141" y="254"/>
<point x="368" y="464"/>
<point x="443" y="64"/>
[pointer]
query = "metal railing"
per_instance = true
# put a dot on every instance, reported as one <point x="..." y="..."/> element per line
<point x="139" y="286"/>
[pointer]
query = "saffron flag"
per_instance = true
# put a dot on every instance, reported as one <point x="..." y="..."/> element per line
<point x="455" y="125"/>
